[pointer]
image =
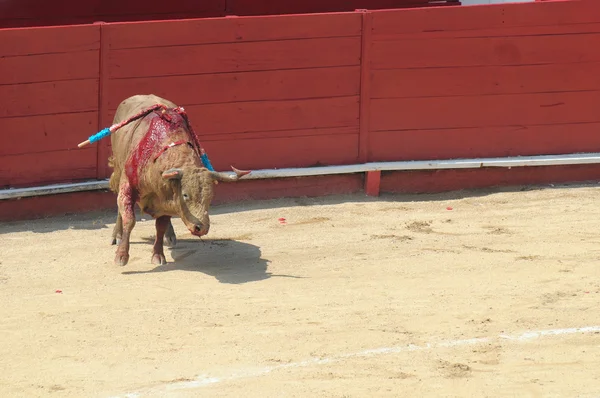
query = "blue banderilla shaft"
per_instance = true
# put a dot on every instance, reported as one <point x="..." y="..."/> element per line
<point x="109" y="130"/>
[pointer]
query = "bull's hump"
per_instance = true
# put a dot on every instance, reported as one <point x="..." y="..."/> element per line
<point x="161" y="129"/>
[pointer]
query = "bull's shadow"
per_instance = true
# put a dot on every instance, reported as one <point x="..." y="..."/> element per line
<point x="229" y="261"/>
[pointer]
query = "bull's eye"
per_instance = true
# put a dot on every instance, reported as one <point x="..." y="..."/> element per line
<point x="185" y="196"/>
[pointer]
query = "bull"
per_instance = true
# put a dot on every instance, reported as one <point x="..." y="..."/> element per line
<point x="156" y="162"/>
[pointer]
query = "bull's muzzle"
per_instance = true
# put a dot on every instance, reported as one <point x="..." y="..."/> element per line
<point x="199" y="230"/>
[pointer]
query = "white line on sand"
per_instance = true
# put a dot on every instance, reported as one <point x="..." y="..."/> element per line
<point x="206" y="380"/>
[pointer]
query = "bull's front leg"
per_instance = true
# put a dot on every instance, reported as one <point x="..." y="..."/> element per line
<point x="158" y="254"/>
<point x="126" y="202"/>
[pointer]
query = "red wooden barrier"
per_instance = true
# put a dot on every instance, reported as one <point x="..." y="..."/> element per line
<point x="484" y="81"/>
<point x="49" y="97"/>
<point x="302" y="90"/>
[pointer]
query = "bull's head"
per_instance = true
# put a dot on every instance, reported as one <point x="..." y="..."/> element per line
<point x="193" y="192"/>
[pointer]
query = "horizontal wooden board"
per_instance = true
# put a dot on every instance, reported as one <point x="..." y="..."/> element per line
<point x="256" y="56"/>
<point x="453" y="180"/>
<point x="47" y="40"/>
<point x="231" y="30"/>
<point x="35" y="207"/>
<point x="484" y="17"/>
<point x="507" y="31"/>
<point x="484" y="111"/>
<point x="283" y="151"/>
<point x="484" y="142"/>
<point x="67" y="96"/>
<point x="245" y="86"/>
<point x="50" y="67"/>
<point x="429" y="53"/>
<point x="483" y="80"/>
<point x="48" y="167"/>
<point x="287" y="188"/>
<point x="33" y="134"/>
<point x="274" y="115"/>
<point x="315" y="132"/>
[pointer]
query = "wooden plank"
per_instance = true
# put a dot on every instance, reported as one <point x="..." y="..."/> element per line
<point x="283" y="152"/>
<point x="274" y="115"/>
<point x="484" y="51"/>
<point x="314" y="132"/>
<point x="245" y="86"/>
<point x="34" y="134"/>
<point x="484" y="111"/>
<point x="451" y="180"/>
<point x="48" y="167"/>
<point x="231" y="30"/>
<point x="484" y="17"/>
<point x="49" y="67"/>
<point x="53" y="205"/>
<point x="506" y="31"/>
<point x="287" y="187"/>
<point x="256" y="56"/>
<point x="484" y="142"/>
<point x="49" y="98"/>
<point x="47" y="40"/>
<point x="474" y="80"/>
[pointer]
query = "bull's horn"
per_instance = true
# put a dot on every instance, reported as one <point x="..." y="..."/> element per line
<point x="228" y="178"/>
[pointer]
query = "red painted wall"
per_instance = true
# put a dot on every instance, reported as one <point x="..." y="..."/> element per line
<point x="48" y="100"/>
<point x="302" y="90"/>
<point x="484" y="81"/>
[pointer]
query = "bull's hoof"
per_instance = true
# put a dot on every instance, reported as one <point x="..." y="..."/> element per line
<point x="158" y="259"/>
<point x="170" y="241"/>
<point x="121" y="259"/>
<point x="115" y="241"/>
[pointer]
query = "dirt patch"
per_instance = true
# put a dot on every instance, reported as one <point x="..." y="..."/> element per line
<point x="453" y="370"/>
<point x="401" y="238"/>
<point x="420" y="226"/>
<point x="315" y="220"/>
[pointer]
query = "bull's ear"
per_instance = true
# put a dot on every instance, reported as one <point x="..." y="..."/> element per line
<point x="172" y="174"/>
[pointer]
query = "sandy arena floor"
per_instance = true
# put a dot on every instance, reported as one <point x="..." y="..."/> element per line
<point x="352" y="297"/>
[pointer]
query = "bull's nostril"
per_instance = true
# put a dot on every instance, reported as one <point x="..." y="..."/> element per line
<point x="197" y="228"/>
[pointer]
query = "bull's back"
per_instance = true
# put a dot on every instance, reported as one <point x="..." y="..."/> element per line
<point x="125" y="139"/>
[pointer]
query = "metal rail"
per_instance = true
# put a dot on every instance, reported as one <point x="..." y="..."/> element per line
<point x="506" y="162"/>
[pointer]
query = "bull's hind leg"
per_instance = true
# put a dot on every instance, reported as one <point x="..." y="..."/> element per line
<point x="117" y="230"/>
<point x="126" y="201"/>
<point x="158" y="254"/>
<point x="170" y="238"/>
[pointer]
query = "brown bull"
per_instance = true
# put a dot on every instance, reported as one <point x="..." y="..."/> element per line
<point x="156" y="163"/>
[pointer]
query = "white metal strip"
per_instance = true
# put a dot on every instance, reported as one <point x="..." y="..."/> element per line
<point x="507" y="162"/>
